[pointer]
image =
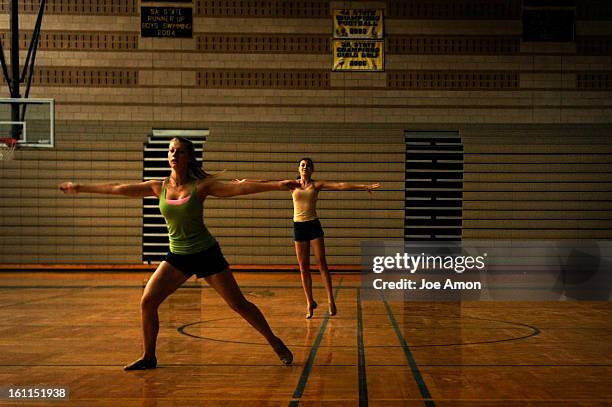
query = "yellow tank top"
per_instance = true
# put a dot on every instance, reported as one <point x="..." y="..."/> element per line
<point x="304" y="204"/>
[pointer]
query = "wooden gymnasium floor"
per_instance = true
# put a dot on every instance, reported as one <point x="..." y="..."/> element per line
<point x="77" y="330"/>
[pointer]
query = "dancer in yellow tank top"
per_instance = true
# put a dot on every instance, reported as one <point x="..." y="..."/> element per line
<point x="307" y="229"/>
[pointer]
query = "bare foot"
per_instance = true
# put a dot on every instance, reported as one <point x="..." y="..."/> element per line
<point x="142" y="364"/>
<point x="283" y="352"/>
<point x="311" y="307"/>
<point x="332" y="308"/>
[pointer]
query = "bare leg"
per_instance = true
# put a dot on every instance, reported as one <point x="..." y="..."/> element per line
<point x="163" y="282"/>
<point x="302" y="250"/>
<point x="318" y="245"/>
<point x="225" y="284"/>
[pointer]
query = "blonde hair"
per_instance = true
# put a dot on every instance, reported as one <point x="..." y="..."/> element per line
<point x="194" y="169"/>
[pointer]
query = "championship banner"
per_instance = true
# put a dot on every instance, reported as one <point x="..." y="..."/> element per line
<point x="358" y="23"/>
<point x="173" y="22"/>
<point x="358" y="55"/>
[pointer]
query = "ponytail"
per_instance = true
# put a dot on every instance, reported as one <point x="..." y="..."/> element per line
<point x="196" y="171"/>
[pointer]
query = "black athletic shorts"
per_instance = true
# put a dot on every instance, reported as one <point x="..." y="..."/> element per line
<point x="202" y="264"/>
<point x="307" y="231"/>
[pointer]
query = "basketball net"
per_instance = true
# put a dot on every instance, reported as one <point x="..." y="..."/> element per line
<point x="7" y="148"/>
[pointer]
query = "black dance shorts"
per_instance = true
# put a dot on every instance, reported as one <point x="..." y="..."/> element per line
<point x="202" y="264"/>
<point x="307" y="231"/>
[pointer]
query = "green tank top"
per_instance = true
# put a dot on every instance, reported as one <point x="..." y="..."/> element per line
<point x="186" y="230"/>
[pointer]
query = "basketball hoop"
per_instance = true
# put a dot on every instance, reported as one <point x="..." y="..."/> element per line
<point x="7" y="148"/>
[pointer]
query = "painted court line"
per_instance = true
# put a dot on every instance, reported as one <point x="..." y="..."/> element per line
<point x="363" y="381"/>
<point x="413" y="365"/>
<point x="299" y="390"/>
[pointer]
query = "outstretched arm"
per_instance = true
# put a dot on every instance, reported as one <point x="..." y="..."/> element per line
<point x="240" y="181"/>
<point x="142" y="189"/>
<point x="346" y="186"/>
<point x="244" y="187"/>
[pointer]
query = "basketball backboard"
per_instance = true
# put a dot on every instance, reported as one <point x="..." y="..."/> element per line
<point x="30" y="121"/>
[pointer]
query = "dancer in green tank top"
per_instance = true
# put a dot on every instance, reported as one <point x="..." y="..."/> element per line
<point x="193" y="250"/>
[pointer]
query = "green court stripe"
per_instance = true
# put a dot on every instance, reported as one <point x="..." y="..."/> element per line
<point x="411" y="361"/>
<point x="299" y="390"/>
<point x="363" y="382"/>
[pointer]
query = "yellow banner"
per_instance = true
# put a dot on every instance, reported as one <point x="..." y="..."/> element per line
<point x="358" y="55"/>
<point x="358" y="23"/>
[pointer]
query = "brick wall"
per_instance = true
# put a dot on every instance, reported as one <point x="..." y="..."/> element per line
<point x="535" y="120"/>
